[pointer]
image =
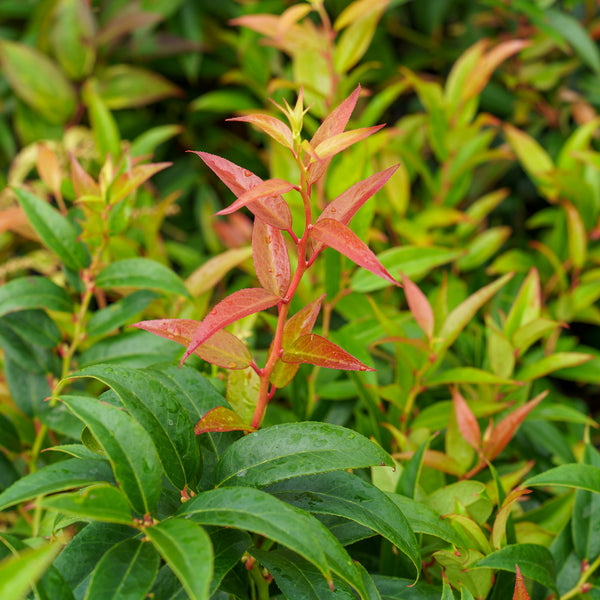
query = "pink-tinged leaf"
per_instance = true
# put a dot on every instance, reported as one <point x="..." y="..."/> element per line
<point x="271" y="258"/>
<point x="467" y="423"/>
<point x="273" y="127"/>
<point x="236" y="306"/>
<point x="316" y="350"/>
<point x="48" y="168"/>
<point x="222" y="348"/>
<point x="419" y="306"/>
<point x="131" y="180"/>
<point x="503" y="432"/>
<point x="83" y="183"/>
<point x="520" y="590"/>
<point x="346" y="205"/>
<point x="221" y="419"/>
<point x="333" y="145"/>
<point x="266" y="202"/>
<point x="344" y="240"/>
<point x="333" y="124"/>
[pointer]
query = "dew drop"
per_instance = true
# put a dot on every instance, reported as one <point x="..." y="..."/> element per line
<point x="213" y="311"/>
<point x="248" y="173"/>
<point x="268" y="240"/>
<point x="231" y="365"/>
<point x="363" y="368"/>
<point x="170" y="421"/>
<point x="332" y="209"/>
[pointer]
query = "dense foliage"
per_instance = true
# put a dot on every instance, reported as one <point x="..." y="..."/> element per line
<point x="391" y="331"/>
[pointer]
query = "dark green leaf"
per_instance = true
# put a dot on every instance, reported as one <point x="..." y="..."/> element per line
<point x="229" y="546"/>
<point x="187" y="550"/>
<point x="128" y="447"/>
<point x="63" y="475"/>
<point x="56" y="232"/>
<point x="35" y="326"/>
<point x="125" y="572"/>
<point x="409" y="478"/>
<point x="141" y="273"/>
<point x="33" y="292"/>
<point x="28" y="390"/>
<point x="294" y="449"/>
<point x="586" y="514"/>
<point x="17" y="346"/>
<point x="9" y="436"/>
<point x="584" y="477"/>
<point x="395" y="588"/>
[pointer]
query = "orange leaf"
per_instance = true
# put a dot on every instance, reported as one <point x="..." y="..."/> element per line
<point x="221" y="419"/>
<point x="520" y="591"/>
<point x="83" y="183"/>
<point x="419" y="306"/>
<point x="271" y="258"/>
<point x="336" y="144"/>
<point x="273" y="127"/>
<point x="467" y="423"/>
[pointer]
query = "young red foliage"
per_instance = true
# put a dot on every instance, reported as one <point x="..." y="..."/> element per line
<point x="271" y="258"/>
<point x="239" y="304"/>
<point x="336" y="144"/>
<point x="132" y="179"/>
<point x="273" y="127"/>
<point x="83" y="183"/>
<point x="467" y="423"/>
<point x="520" y="590"/>
<point x="222" y="348"/>
<point x="316" y="350"/>
<point x="341" y="238"/>
<point x="221" y="419"/>
<point x="419" y="306"/>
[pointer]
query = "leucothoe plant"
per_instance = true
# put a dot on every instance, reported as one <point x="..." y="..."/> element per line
<point x="293" y="341"/>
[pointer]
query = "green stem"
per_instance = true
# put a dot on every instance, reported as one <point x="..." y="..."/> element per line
<point x="585" y="575"/>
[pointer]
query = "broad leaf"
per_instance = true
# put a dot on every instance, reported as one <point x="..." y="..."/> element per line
<point x="236" y="306"/>
<point x="33" y="292"/>
<point x="271" y="258"/>
<point x="273" y="127"/>
<point x="221" y="418"/>
<point x="316" y="350"/>
<point x="140" y="273"/>
<point x="63" y="475"/>
<point x="341" y="238"/>
<point x="55" y="231"/>
<point x="125" y="572"/>
<point x="397" y="588"/>
<point x="127" y="445"/>
<point x="346" y="495"/>
<point x="222" y="348"/>
<point x="186" y="548"/>
<point x="587" y="509"/>
<point x="279" y="452"/>
<point x="583" y="477"/>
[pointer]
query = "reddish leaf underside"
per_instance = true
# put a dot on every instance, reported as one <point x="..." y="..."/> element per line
<point x="271" y="258"/>
<point x="221" y="419"/>
<point x="236" y="306"/>
<point x="341" y="238"/>
<point x="222" y="348"/>
<point x="467" y="423"/>
<point x="316" y="350"/>
<point x="419" y="306"/>
<point x="273" y="127"/>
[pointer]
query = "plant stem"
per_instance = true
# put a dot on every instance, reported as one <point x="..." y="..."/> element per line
<point x="585" y="575"/>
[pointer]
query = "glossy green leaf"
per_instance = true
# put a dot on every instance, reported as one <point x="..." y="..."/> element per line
<point x="149" y="140"/>
<point x="156" y="408"/>
<point x="535" y="562"/>
<point x="259" y="512"/>
<point x="586" y="514"/>
<point x="294" y="449"/>
<point x="346" y="495"/>
<point x="19" y="572"/>
<point x="63" y="475"/>
<point x="34" y="326"/>
<point x="37" y="81"/>
<point x="186" y="548"/>
<point x="141" y="273"/>
<point x="99" y="502"/>
<point x="55" y="231"/>
<point x="553" y="362"/>
<point x="33" y="292"/>
<point x="127" y="445"/>
<point x="125" y="572"/>
<point x="584" y="477"/>
<point x="466" y="375"/>
<point x="229" y="545"/>
<point x="397" y="588"/>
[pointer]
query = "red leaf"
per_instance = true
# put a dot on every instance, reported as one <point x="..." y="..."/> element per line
<point x="333" y="124"/>
<point x="336" y="144"/>
<point x="273" y="127"/>
<point x="222" y="349"/>
<point x="236" y="306"/>
<point x="419" y="306"/>
<point x="271" y="259"/>
<point x="266" y="202"/>
<point x="316" y="350"/>
<point x="221" y="419"/>
<point x="520" y="591"/>
<point x="503" y="432"/>
<point x="83" y="183"/>
<point x="346" y="205"/>
<point x="344" y="240"/>
<point x="467" y="423"/>
<point x="132" y="179"/>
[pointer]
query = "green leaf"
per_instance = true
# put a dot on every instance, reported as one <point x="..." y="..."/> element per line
<point x="147" y="142"/>
<point x="186" y="548"/>
<point x="294" y="449"/>
<point x="229" y="546"/>
<point x="37" y="81"/>
<point x="18" y="573"/>
<point x="535" y="562"/>
<point x="56" y="232"/>
<point x="28" y="389"/>
<point x="100" y="502"/>
<point x="125" y="572"/>
<point x="466" y="375"/>
<point x="141" y="273"/>
<point x="118" y="313"/>
<point x="354" y="41"/>
<point x="62" y="475"/>
<point x="33" y="292"/>
<point x="127" y="445"/>
<point x="156" y="409"/>
<point x="346" y="495"/>
<point x="549" y="364"/>
<point x="104" y="127"/>
<point x="9" y="436"/>
<point x="409" y="478"/>
<point x="584" y="477"/>
<point x="396" y="588"/>
<point x="259" y="512"/>
<point x="35" y="326"/>
<point x="586" y="514"/>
